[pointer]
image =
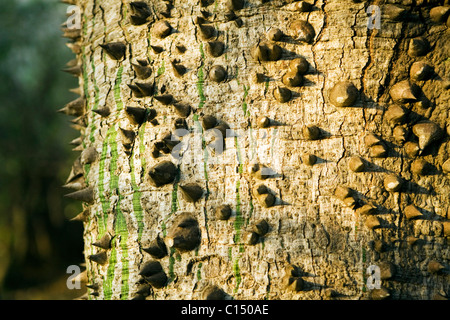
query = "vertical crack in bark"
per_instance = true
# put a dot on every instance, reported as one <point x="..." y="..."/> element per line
<point x="344" y="151"/>
<point x="313" y="48"/>
<point x="352" y="27"/>
<point x="206" y="224"/>
<point x="396" y="53"/>
<point x="370" y="33"/>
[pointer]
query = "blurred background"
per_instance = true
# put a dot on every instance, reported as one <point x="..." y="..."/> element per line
<point x="37" y="240"/>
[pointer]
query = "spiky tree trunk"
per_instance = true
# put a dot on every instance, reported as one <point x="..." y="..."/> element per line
<point x="335" y="157"/>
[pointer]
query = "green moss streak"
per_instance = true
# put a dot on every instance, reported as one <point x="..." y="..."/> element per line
<point x="114" y="179"/>
<point x="238" y="220"/>
<point x="266" y="87"/>
<point x="164" y="228"/>
<point x="109" y="141"/>
<point x="121" y="229"/>
<point x="244" y="103"/>
<point x="101" y="177"/>
<point x="107" y="283"/>
<point x="87" y="168"/>
<point x="239" y="156"/>
<point x="117" y="98"/>
<point x="161" y="69"/>
<point x="174" y="198"/>
<point x="201" y="80"/>
<point x="85" y="25"/>
<point x="202" y="52"/>
<point x="200" y="87"/>
<point x="237" y="273"/>
<point x="171" y="264"/>
<point x="120" y="221"/>
<point x="92" y="134"/>
<point x="124" y="12"/>
<point x="200" y="90"/>
<point x="199" y="272"/>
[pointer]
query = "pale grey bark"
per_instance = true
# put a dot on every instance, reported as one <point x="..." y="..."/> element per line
<point x="331" y="243"/>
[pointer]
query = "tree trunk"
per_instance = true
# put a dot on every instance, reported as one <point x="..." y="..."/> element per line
<point x="334" y="172"/>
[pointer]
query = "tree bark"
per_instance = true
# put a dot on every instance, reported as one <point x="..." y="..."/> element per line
<point x="316" y="170"/>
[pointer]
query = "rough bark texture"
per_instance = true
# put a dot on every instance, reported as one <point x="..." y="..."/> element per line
<point x="330" y="239"/>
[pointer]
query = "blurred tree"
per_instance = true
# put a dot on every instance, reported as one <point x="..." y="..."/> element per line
<point x="35" y="238"/>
